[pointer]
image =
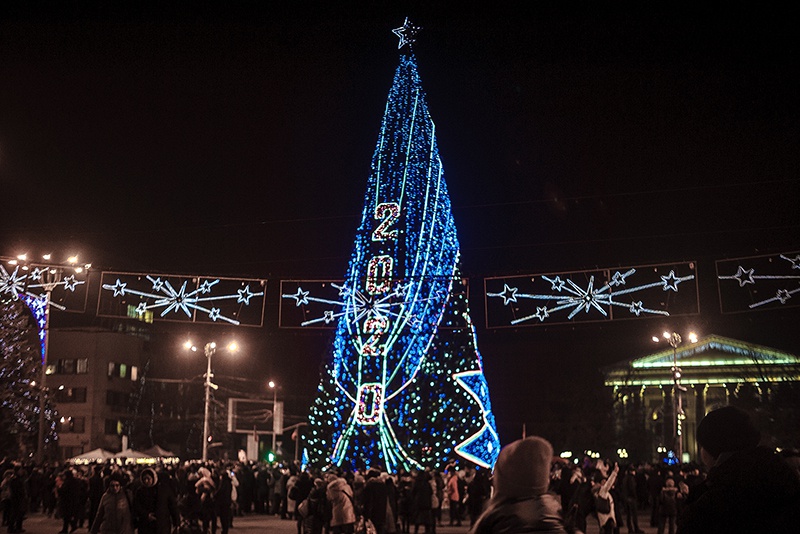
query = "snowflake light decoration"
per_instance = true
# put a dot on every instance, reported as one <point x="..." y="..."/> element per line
<point x="174" y="297"/>
<point x="566" y="295"/>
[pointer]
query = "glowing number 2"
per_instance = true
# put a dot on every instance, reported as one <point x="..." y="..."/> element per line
<point x="375" y="326"/>
<point x="389" y="212"/>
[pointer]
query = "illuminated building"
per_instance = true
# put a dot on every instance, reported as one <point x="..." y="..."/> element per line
<point x="716" y="371"/>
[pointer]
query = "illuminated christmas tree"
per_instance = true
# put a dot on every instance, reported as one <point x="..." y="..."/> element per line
<point x="19" y="369"/>
<point x="404" y="385"/>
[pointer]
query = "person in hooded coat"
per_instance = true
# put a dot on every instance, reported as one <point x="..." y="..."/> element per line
<point x="115" y="513"/>
<point x="521" y="502"/>
<point x="145" y="502"/>
<point x="155" y="504"/>
<point x="205" y="488"/>
<point x="748" y="489"/>
<point x="340" y="496"/>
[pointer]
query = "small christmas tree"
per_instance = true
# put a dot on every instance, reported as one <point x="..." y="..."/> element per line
<point x="404" y="385"/>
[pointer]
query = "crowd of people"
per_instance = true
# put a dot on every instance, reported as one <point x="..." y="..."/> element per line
<point x="743" y="488"/>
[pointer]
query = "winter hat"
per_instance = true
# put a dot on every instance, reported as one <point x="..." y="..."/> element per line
<point x="523" y="468"/>
<point x="151" y="473"/>
<point x="727" y="429"/>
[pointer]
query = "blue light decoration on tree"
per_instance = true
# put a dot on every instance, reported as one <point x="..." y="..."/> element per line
<point x="404" y="386"/>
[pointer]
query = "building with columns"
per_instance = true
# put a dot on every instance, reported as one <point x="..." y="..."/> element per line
<point x="714" y="371"/>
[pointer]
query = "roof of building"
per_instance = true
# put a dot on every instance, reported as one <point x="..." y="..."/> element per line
<point x="712" y="359"/>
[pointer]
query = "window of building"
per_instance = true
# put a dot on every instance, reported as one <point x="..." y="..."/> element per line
<point x="67" y="367"/>
<point x="113" y="427"/>
<point x="75" y="425"/>
<point x="67" y="395"/>
<point x="117" y="399"/>
<point x="122" y="370"/>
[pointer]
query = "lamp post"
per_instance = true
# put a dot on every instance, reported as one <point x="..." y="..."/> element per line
<point x="209" y="349"/>
<point x="674" y="339"/>
<point x="46" y="277"/>
<point x="274" y="387"/>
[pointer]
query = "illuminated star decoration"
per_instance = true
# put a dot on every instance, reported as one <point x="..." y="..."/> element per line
<point x="484" y="443"/>
<point x="509" y="294"/>
<point x="570" y="296"/>
<point x="165" y="296"/>
<point x="748" y="276"/>
<point x="16" y="284"/>
<point x="407" y="34"/>
<point x="301" y="297"/>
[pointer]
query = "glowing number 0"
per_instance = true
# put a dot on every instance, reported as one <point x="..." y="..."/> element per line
<point x="375" y="326"/>
<point x="379" y="274"/>
<point x="389" y="212"/>
<point x="370" y="404"/>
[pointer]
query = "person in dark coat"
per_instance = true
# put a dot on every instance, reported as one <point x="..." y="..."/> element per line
<point x="521" y="502"/>
<point x="316" y="508"/>
<point x="68" y="495"/>
<point x="748" y="489"/>
<point x="299" y="493"/>
<point x="35" y="489"/>
<point x="262" y="491"/>
<point x="630" y="498"/>
<point x="168" y="516"/>
<point x="17" y="501"/>
<point x="422" y="502"/>
<point x="145" y="502"/>
<point x="96" y="490"/>
<point x="223" y="500"/>
<point x="478" y="492"/>
<point x="392" y="506"/>
<point x="375" y="497"/>
<point x="155" y="504"/>
<point x="115" y="514"/>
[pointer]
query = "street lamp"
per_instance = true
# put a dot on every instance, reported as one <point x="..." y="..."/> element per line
<point x="274" y="387"/>
<point x="209" y="349"/>
<point x="44" y="276"/>
<point x="674" y="339"/>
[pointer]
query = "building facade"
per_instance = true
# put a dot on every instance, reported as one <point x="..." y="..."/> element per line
<point x="93" y="376"/>
<point x="662" y="396"/>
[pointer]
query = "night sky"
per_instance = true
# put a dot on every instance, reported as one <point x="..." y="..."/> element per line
<point x="234" y="140"/>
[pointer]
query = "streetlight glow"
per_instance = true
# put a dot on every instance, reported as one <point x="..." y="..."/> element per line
<point x="692" y="337"/>
<point x="49" y="276"/>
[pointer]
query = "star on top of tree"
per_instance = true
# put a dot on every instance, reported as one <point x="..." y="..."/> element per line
<point x="407" y="34"/>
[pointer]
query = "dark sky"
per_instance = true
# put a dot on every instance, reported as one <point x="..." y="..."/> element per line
<point x="236" y="140"/>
